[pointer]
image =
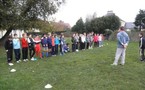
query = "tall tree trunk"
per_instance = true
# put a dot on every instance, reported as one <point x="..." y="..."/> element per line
<point x="2" y="40"/>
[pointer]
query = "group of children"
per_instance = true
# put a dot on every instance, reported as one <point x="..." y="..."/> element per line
<point x="46" y="46"/>
<point x="86" y="41"/>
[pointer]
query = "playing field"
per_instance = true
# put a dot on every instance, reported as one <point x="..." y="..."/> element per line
<point x="85" y="70"/>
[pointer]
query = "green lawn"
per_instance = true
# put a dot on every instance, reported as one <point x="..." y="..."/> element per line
<point x="85" y="70"/>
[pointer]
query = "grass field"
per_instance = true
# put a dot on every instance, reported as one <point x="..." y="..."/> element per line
<point x="85" y="70"/>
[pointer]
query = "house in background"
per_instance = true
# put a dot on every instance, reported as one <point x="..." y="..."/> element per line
<point x="58" y="26"/>
<point x="61" y="26"/>
<point x="18" y="32"/>
<point x="122" y="22"/>
<point x="129" y="26"/>
<point x="109" y="13"/>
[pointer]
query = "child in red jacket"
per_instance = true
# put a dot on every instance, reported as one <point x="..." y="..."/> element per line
<point x="24" y="43"/>
<point x="37" y="41"/>
<point x="95" y="40"/>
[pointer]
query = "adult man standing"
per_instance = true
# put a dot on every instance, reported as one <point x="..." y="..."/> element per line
<point x="123" y="40"/>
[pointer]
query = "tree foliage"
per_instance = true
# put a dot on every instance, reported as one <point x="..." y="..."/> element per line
<point x="79" y="27"/>
<point x="98" y="25"/>
<point x="140" y="18"/>
<point x="24" y="14"/>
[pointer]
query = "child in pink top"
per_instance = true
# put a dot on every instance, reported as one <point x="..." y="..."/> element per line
<point x="95" y="40"/>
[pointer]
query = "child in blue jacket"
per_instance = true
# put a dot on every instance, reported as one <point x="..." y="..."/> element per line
<point x="16" y="46"/>
<point x="44" y="45"/>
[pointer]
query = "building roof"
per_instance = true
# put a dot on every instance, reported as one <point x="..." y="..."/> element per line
<point x="129" y="25"/>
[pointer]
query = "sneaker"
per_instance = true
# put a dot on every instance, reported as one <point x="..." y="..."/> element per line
<point x="11" y="64"/>
<point x="53" y="55"/>
<point x="77" y="50"/>
<point x="32" y="59"/>
<point x="18" y="61"/>
<point x="25" y="60"/>
<point x="35" y="59"/>
<point x="113" y="64"/>
<point x="141" y="60"/>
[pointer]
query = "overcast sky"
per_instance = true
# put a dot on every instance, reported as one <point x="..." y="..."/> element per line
<point x="74" y="9"/>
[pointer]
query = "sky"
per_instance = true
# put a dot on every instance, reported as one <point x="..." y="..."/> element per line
<point x="72" y="10"/>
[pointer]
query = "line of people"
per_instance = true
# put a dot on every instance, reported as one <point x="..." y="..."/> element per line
<point x="46" y="46"/>
<point x="86" y="41"/>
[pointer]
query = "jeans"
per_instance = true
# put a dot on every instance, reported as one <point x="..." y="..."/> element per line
<point x="73" y="47"/>
<point x="56" y="49"/>
<point x="53" y="50"/>
<point x="17" y="54"/>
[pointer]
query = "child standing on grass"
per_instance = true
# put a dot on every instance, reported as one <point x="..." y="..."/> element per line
<point x="77" y="42"/>
<point x="73" y="40"/>
<point x="31" y="47"/>
<point x="95" y="40"/>
<point x="9" y="50"/>
<point x="16" y="46"/>
<point x="91" y="38"/>
<point x="49" y="43"/>
<point x="24" y="43"/>
<point x="83" y="41"/>
<point x="56" y="44"/>
<point x="44" y="45"/>
<point x="62" y="44"/>
<point x="100" y="38"/>
<point x="88" y="41"/>
<point x="37" y="46"/>
<point x="141" y="46"/>
<point x="53" y="45"/>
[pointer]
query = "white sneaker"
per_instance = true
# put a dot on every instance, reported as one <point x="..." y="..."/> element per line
<point x="13" y="70"/>
<point x="77" y="50"/>
<point x="91" y="48"/>
<point x="53" y="55"/>
<point x="24" y="60"/>
<point x="114" y="64"/>
<point x="18" y="61"/>
<point x="35" y="59"/>
<point x="11" y="64"/>
<point x="32" y="59"/>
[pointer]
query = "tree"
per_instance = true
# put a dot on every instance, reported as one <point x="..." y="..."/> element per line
<point x="97" y="25"/>
<point x="100" y="24"/>
<point x="112" y="22"/>
<point x="139" y="18"/>
<point x="23" y="14"/>
<point x="79" y="27"/>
